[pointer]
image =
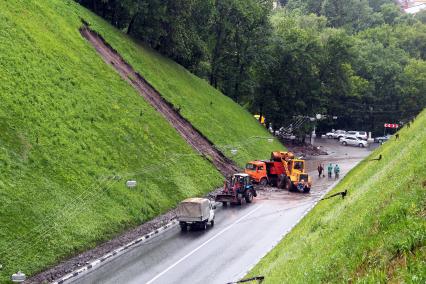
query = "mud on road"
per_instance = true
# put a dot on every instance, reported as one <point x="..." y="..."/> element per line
<point x="188" y="132"/>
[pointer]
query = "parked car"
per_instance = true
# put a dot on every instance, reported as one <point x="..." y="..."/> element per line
<point x="196" y="212"/>
<point x="336" y="134"/>
<point x="359" y="134"/>
<point x="382" y="138"/>
<point x="353" y="140"/>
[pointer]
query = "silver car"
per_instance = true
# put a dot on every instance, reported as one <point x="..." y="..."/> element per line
<point x="353" y="140"/>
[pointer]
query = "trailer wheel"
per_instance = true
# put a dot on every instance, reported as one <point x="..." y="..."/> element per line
<point x="248" y="197"/>
<point x="263" y="182"/>
<point x="183" y="227"/>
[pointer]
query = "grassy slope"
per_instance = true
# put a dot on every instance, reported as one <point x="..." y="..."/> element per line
<point x="66" y="120"/>
<point x="219" y="118"/>
<point x="376" y="235"/>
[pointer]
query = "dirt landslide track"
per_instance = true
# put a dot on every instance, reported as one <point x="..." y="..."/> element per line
<point x="192" y="136"/>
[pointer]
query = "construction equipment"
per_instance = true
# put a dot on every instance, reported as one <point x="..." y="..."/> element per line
<point x="239" y="187"/>
<point x="283" y="171"/>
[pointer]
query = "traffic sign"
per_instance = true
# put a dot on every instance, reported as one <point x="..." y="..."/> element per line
<point x="391" y="125"/>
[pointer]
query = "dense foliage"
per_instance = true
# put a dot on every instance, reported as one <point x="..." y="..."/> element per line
<point x="359" y="60"/>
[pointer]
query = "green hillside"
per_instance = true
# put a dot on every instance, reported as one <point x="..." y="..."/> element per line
<point x="219" y="118"/>
<point x="377" y="234"/>
<point x="72" y="132"/>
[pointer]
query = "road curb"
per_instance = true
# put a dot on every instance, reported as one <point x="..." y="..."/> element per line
<point x="113" y="254"/>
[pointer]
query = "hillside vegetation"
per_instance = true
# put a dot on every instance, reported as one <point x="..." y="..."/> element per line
<point x="377" y="234"/>
<point x="216" y="116"/>
<point x="72" y="133"/>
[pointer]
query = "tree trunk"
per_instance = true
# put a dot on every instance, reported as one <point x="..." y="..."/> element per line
<point x="131" y="23"/>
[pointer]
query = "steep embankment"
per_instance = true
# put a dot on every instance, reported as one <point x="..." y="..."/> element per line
<point x="73" y="131"/>
<point x="185" y="129"/>
<point x="216" y="116"/>
<point x="377" y="234"/>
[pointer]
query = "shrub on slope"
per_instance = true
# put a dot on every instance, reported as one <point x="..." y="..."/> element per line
<point x="377" y="234"/>
<point x="71" y="133"/>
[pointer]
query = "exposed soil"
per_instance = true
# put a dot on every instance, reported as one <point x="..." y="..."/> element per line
<point x="191" y="135"/>
<point x="305" y="150"/>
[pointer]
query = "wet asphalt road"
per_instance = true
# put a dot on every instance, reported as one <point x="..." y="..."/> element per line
<point x="240" y="238"/>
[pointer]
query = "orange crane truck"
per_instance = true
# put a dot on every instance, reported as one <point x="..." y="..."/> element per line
<point x="283" y="171"/>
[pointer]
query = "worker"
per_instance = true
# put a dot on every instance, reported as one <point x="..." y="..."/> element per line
<point x="330" y="170"/>
<point x="320" y="170"/>
<point x="336" y="171"/>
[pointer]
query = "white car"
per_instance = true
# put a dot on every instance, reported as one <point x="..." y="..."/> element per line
<point x="353" y="140"/>
<point x="358" y="134"/>
<point x="336" y="134"/>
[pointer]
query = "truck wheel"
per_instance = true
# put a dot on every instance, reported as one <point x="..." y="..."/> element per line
<point x="239" y="201"/>
<point x="263" y="182"/>
<point x="287" y="184"/>
<point x="282" y="182"/>
<point x="212" y="223"/>
<point x="224" y="203"/>
<point x="183" y="227"/>
<point x="344" y="143"/>
<point x="329" y="136"/>
<point x="249" y="197"/>
<point x="361" y="145"/>
<point x="204" y="225"/>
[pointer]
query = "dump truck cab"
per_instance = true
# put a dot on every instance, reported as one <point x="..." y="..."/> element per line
<point x="257" y="172"/>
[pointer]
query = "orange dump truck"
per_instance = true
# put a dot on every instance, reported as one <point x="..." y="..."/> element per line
<point x="283" y="170"/>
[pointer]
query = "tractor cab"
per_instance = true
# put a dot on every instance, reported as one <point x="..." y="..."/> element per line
<point x="240" y="182"/>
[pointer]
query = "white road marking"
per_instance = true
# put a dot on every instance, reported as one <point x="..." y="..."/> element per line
<point x="200" y="246"/>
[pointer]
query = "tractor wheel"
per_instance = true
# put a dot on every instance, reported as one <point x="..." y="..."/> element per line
<point x="263" y="182"/>
<point x="248" y="197"/>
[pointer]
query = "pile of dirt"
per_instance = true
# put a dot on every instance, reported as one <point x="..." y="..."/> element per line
<point x="305" y="150"/>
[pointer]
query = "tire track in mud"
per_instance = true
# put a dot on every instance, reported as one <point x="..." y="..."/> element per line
<point x="188" y="132"/>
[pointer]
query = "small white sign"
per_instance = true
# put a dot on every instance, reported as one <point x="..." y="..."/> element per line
<point x="234" y="151"/>
<point x="131" y="183"/>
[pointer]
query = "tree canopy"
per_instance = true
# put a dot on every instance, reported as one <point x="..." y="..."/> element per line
<point x="359" y="60"/>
